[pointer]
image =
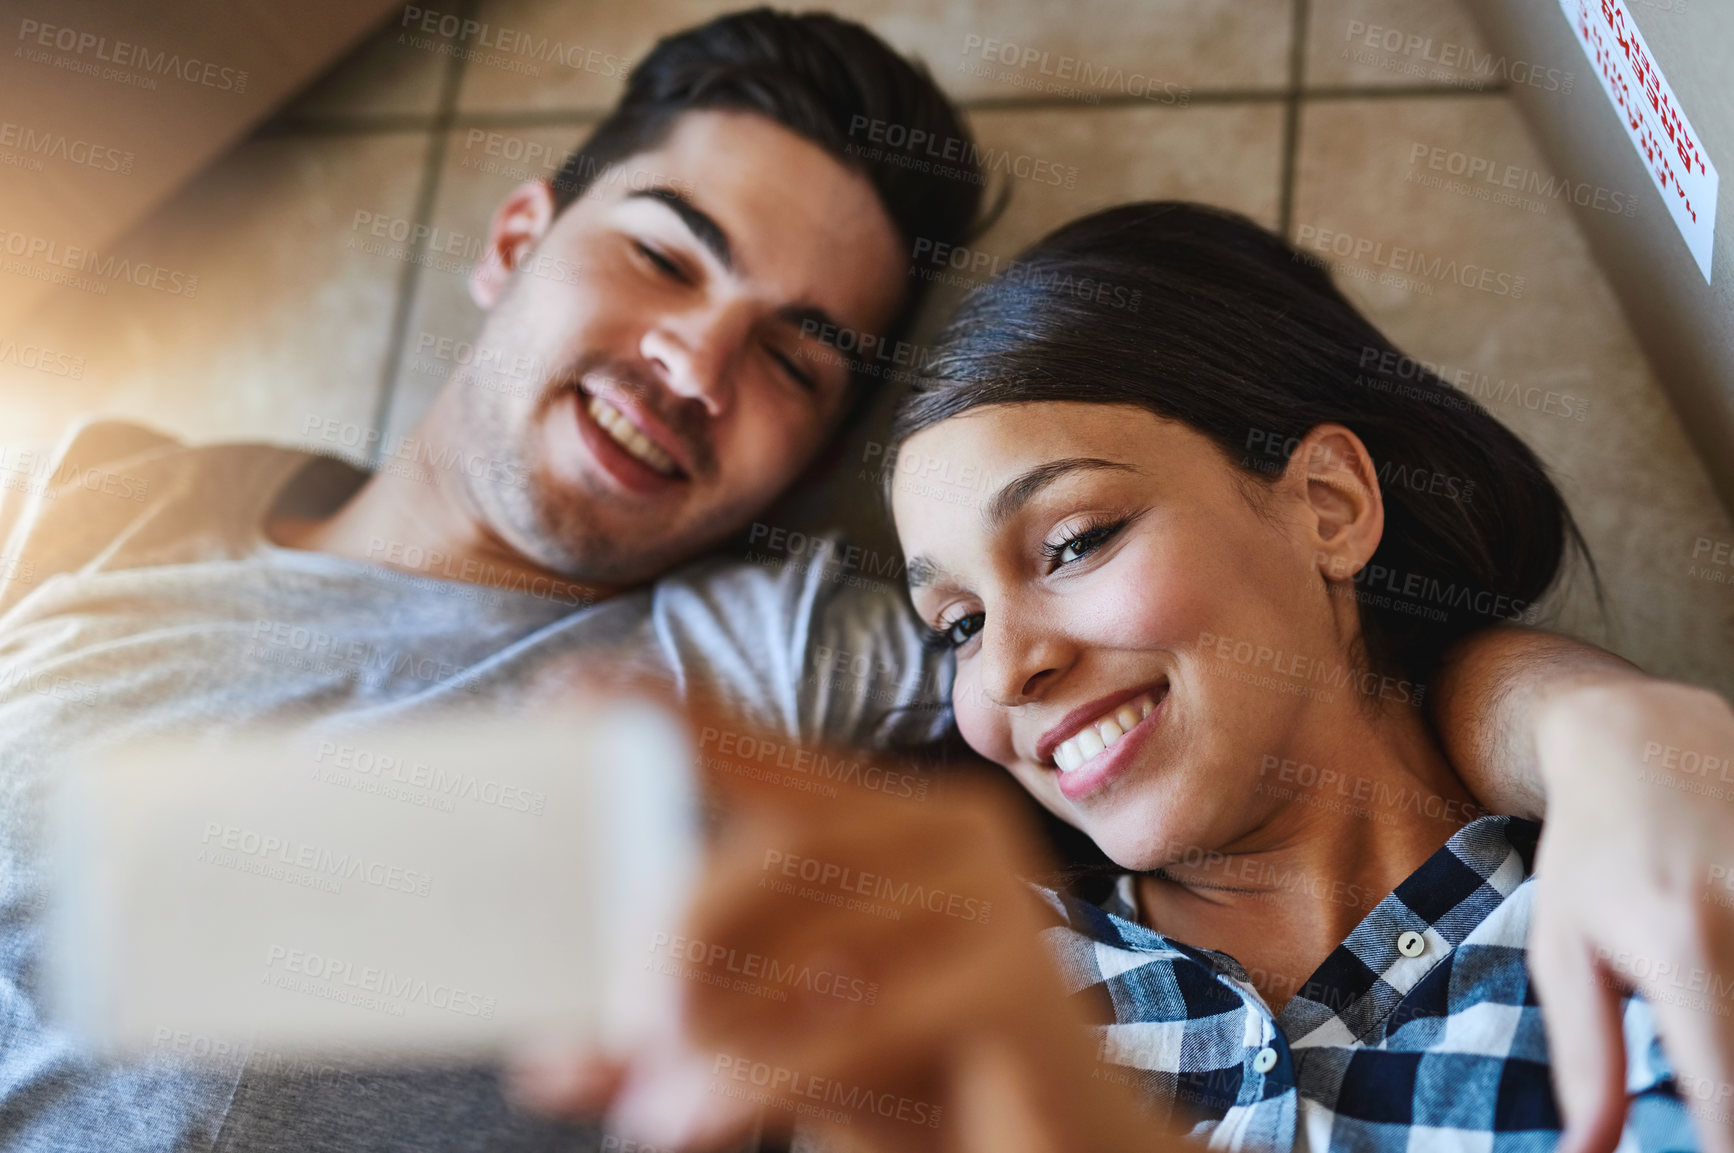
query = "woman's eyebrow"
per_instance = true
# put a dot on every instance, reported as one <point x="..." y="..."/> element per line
<point x="1012" y="496"/>
<point x="920" y="571"/>
<point x="1016" y="493"/>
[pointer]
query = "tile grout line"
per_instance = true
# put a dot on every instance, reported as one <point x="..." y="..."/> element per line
<point x="383" y="124"/>
<point x="1292" y="116"/>
<point x="1403" y="92"/>
<point x="407" y="283"/>
<point x="1209" y="96"/>
<point x="1193" y="96"/>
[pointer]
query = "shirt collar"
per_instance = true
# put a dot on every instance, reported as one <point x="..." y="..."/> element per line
<point x="1443" y="901"/>
<point x="1441" y="904"/>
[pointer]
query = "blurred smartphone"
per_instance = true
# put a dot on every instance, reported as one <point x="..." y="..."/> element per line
<point x="407" y="895"/>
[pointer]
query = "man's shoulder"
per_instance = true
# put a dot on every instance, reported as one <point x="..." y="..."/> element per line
<point x="96" y="442"/>
<point x="830" y="650"/>
<point x="111" y="481"/>
<point x="102" y="445"/>
<point x="33" y="478"/>
<point x="789" y="590"/>
<point x="109" y="467"/>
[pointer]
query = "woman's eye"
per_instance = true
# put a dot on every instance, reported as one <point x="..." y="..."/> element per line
<point x="663" y="264"/>
<point x="1080" y="544"/>
<point x="958" y="632"/>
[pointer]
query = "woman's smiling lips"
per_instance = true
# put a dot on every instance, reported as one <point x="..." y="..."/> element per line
<point x="1095" y="741"/>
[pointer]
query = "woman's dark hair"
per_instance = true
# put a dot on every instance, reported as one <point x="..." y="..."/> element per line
<point x="1202" y="317"/>
<point x="829" y="80"/>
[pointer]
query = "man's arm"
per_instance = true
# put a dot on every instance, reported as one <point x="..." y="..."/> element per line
<point x="1635" y="873"/>
<point x="1488" y="696"/>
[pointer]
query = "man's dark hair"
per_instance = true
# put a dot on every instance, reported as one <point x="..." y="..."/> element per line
<point x="828" y="80"/>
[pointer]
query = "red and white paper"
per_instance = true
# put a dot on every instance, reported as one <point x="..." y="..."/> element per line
<point x="1670" y="149"/>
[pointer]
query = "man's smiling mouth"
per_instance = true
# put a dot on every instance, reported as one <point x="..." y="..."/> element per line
<point x="625" y="434"/>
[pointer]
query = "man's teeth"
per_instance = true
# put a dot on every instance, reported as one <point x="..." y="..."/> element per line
<point x="622" y="432"/>
<point x="1101" y="734"/>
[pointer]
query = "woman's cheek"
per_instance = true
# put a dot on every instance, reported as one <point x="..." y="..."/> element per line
<point x="1155" y="604"/>
<point x="983" y="726"/>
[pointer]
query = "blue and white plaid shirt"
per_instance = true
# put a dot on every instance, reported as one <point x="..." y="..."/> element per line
<point x="1443" y="1050"/>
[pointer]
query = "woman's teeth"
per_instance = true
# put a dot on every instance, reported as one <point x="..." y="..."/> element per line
<point x="1101" y="734"/>
<point x="621" y="431"/>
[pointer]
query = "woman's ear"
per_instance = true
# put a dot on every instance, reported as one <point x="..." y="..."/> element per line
<point x="1332" y="474"/>
<point x="519" y="224"/>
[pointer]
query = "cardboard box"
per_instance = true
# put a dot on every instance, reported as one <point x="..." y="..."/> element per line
<point x="106" y="108"/>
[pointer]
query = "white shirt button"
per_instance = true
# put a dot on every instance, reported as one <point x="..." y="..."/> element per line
<point x="1411" y="944"/>
<point x="1265" y="1060"/>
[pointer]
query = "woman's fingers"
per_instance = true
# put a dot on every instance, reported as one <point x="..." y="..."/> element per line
<point x="565" y="1083"/>
<point x="663" y="1096"/>
<point x="994" y="1109"/>
<point x="669" y="1100"/>
<point x="923" y="903"/>
<point x="866" y="963"/>
<point x="849" y="892"/>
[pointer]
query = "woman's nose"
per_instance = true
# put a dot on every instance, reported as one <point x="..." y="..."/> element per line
<point x="1020" y="665"/>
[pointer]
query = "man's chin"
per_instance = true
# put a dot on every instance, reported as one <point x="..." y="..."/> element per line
<point x="615" y="550"/>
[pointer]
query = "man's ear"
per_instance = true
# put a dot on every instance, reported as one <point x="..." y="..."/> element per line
<point x="519" y="224"/>
<point x="1333" y="476"/>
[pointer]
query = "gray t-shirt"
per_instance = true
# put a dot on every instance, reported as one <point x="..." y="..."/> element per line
<point x="139" y="595"/>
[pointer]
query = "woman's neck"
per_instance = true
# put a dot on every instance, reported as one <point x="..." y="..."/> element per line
<point x="1349" y="811"/>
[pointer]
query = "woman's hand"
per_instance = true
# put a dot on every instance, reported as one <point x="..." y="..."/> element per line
<point x="869" y="964"/>
<point x="1635" y="877"/>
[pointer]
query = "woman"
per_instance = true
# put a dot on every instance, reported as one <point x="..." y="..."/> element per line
<point x="1193" y="612"/>
<point x="1195" y="607"/>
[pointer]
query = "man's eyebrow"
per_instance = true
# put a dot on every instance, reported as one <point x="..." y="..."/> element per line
<point x="1016" y="493"/>
<point x="812" y="320"/>
<point x="700" y="223"/>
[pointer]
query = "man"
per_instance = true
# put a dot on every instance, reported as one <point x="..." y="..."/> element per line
<point x="680" y="383"/>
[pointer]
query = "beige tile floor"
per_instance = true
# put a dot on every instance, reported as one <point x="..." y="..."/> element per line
<point x="1395" y="43"/>
<point x="296" y="319"/>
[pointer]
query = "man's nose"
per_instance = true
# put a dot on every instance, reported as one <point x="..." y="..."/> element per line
<point x="696" y="355"/>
